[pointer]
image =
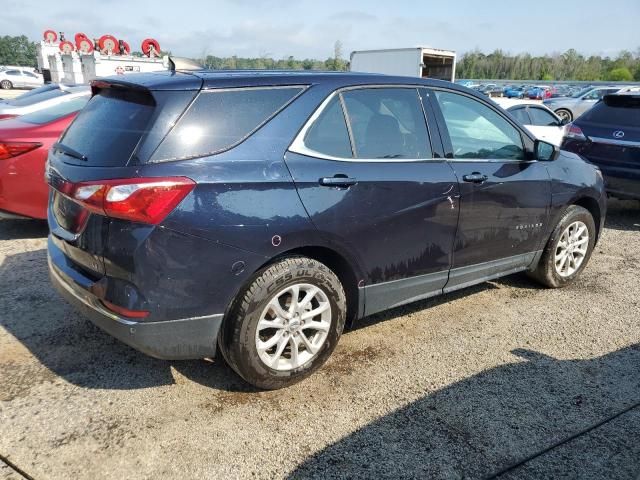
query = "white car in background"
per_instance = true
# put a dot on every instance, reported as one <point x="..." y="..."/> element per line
<point x="537" y="118"/>
<point x="43" y="97"/>
<point x="20" y="78"/>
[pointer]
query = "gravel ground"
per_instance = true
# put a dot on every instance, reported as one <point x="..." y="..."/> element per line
<point x="461" y="386"/>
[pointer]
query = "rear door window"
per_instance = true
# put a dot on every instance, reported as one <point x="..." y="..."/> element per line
<point x="542" y="118"/>
<point x="387" y="123"/>
<point x="221" y="119"/>
<point x="521" y="115"/>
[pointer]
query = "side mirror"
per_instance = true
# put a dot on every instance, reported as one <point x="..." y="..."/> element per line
<point x="563" y="122"/>
<point x="545" y="152"/>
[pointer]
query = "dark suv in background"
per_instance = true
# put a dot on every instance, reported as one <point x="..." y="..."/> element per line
<point x="260" y="211"/>
<point x="608" y="135"/>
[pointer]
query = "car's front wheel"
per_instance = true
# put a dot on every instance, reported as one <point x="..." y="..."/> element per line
<point x="564" y="114"/>
<point x="285" y="325"/>
<point x="6" y="85"/>
<point x="568" y="250"/>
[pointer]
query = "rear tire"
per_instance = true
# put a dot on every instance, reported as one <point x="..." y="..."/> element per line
<point x="568" y="250"/>
<point x="267" y="314"/>
<point x="6" y="85"/>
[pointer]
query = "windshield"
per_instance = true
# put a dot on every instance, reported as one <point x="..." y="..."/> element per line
<point x="49" y="114"/>
<point x="581" y="92"/>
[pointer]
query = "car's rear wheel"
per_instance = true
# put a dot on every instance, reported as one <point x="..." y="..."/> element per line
<point x="285" y="325"/>
<point x="568" y="250"/>
<point x="565" y="114"/>
<point x="6" y="85"/>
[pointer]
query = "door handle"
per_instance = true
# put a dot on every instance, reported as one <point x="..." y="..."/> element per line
<point x="338" y="181"/>
<point x="475" y="177"/>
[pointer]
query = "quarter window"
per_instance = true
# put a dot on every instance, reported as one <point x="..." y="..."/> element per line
<point x="220" y="119"/>
<point x="477" y="131"/>
<point x="387" y="123"/>
<point x="329" y="135"/>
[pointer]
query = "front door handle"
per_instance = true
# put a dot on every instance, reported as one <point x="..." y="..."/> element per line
<point x="475" y="177"/>
<point x="338" y="181"/>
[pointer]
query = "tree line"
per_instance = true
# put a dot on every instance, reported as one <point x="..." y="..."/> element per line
<point x="570" y="65"/>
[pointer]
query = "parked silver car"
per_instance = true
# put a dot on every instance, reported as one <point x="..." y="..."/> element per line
<point x="568" y="108"/>
<point x="43" y="97"/>
<point x="18" y="78"/>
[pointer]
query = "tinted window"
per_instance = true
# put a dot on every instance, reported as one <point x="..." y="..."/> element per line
<point x="110" y="126"/>
<point x="477" y="131"/>
<point x="599" y="93"/>
<point x="55" y="112"/>
<point x="387" y="123"/>
<point x="35" y="91"/>
<point x="541" y="117"/>
<point x="616" y="117"/>
<point x="328" y="134"/>
<point x="220" y="119"/>
<point x="521" y="115"/>
<point x="40" y="97"/>
<point x="12" y="72"/>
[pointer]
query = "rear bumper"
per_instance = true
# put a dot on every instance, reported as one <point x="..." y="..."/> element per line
<point x="188" y="338"/>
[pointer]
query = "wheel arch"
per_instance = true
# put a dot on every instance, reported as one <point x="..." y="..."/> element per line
<point x="340" y="265"/>
<point x="592" y="206"/>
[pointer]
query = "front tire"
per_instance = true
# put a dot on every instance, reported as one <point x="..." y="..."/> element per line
<point x="564" y="114"/>
<point x="568" y="250"/>
<point x="6" y="85"/>
<point x="286" y="324"/>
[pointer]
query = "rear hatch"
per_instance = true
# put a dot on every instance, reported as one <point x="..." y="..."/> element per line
<point x="111" y="138"/>
<point x="613" y="130"/>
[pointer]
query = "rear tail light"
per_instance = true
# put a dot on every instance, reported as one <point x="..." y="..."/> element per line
<point x="7" y="116"/>
<point x="125" y="312"/>
<point x="145" y="200"/>
<point x="573" y="131"/>
<point x="13" y="149"/>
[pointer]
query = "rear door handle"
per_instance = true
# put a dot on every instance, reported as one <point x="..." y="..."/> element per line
<point x="475" y="177"/>
<point x="338" y="181"/>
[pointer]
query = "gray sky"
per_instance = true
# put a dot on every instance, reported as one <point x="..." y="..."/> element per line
<point x="308" y="29"/>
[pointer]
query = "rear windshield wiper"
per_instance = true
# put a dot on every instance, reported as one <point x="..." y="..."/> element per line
<point x="69" y="151"/>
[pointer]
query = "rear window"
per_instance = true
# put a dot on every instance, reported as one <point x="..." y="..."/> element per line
<point x="35" y="91"/>
<point x="220" y="119"/>
<point x="110" y="126"/>
<point x="624" y="114"/>
<point x="55" y="112"/>
<point x="33" y="99"/>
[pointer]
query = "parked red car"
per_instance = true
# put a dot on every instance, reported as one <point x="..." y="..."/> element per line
<point x="24" y="143"/>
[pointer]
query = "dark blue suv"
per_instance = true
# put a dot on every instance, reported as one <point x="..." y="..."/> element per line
<point x="608" y="135"/>
<point x="258" y="212"/>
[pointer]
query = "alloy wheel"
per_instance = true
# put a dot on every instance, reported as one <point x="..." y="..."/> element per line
<point x="293" y="327"/>
<point x="571" y="249"/>
<point x="564" y="115"/>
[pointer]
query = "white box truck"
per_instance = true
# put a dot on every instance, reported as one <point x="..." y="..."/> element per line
<point x="424" y="62"/>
